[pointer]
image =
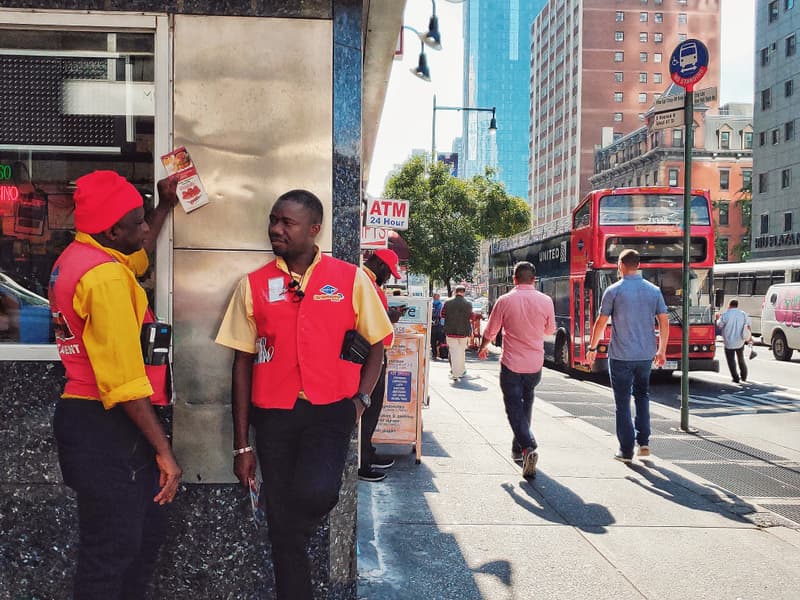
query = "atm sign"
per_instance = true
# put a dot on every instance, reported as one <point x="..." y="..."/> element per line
<point x="388" y="213"/>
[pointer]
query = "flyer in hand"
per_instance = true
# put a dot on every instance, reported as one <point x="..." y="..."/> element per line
<point x="191" y="192"/>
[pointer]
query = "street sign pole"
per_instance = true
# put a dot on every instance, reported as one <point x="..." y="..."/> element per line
<point x="688" y="119"/>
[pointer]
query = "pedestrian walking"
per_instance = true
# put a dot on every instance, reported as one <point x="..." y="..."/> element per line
<point x="526" y="316"/>
<point x="379" y="266"/>
<point x="457" y="313"/>
<point x="735" y="327"/>
<point x="437" y="325"/>
<point x="112" y="450"/>
<point x="307" y="330"/>
<point x="632" y="305"/>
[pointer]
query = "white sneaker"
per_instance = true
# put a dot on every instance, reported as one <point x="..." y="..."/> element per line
<point x="529" y="459"/>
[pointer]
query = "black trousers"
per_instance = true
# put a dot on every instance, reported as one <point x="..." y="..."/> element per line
<point x="111" y="466"/>
<point x="302" y="453"/>
<point x="738" y="355"/>
<point x="369" y="420"/>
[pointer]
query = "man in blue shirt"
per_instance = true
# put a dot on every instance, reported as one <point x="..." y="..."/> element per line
<point x="734" y="325"/>
<point x="632" y="304"/>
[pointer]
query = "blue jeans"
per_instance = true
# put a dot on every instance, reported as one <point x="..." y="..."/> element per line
<point x="631" y="376"/>
<point x="518" y="397"/>
<point x="112" y="468"/>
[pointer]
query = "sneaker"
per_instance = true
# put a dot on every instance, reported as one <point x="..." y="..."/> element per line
<point x="644" y="451"/>
<point x="622" y="457"/>
<point x="371" y="475"/>
<point x="379" y="461"/>
<point x="529" y="459"/>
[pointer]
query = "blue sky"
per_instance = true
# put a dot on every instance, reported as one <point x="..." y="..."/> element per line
<point x="406" y="120"/>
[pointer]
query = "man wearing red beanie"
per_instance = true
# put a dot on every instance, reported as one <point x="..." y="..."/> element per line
<point x="111" y="447"/>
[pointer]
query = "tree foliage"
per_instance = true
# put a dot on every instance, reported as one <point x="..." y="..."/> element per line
<point x="449" y="216"/>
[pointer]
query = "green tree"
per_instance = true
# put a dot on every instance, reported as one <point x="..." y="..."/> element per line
<point x="742" y="249"/>
<point x="449" y="216"/>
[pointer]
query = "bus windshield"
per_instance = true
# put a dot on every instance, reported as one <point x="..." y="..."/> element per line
<point x="670" y="281"/>
<point x="638" y="209"/>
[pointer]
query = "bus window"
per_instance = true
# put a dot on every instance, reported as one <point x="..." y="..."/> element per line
<point x="634" y="209"/>
<point x="762" y="283"/>
<point x="561" y="299"/>
<point x="778" y="277"/>
<point x="581" y="217"/>
<point x="795" y="276"/>
<point x="731" y="285"/>
<point x="746" y="284"/>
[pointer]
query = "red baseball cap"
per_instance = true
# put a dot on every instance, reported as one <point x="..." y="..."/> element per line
<point x="101" y="199"/>
<point x="389" y="257"/>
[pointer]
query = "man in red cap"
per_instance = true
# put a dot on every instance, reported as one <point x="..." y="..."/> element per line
<point x="379" y="266"/>
<point x="111" y="447"/>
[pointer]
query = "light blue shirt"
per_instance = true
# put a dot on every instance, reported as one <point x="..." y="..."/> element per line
<point x="733" y="325"/>
<point x="633" y="303"/>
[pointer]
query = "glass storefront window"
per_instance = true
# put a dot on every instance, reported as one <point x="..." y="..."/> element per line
<point x="70" y="102"/>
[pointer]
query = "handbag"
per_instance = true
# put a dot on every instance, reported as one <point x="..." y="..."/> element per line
<point x="355" y="347"/>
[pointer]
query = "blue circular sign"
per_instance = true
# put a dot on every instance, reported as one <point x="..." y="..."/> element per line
<point x="688" y="63"/>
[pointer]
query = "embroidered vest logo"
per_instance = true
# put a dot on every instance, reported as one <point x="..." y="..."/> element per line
<point x="329" y="292"/>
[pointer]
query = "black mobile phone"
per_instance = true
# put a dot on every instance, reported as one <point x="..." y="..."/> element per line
<point x="156" y="338"/>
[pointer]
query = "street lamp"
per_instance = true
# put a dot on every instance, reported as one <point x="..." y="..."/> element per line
<point x="421" y="70"/>
<point x="492" y="123"/>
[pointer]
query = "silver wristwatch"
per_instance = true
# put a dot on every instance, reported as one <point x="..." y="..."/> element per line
<point x="364" y="398"/>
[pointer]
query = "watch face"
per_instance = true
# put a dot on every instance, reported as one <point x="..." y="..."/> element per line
<point x="364" y="399"/>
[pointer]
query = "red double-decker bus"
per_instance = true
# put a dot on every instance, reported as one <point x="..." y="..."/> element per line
<point x="576" y="260"/>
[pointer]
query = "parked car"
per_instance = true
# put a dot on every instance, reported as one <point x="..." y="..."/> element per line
<point x="780" y="319"/>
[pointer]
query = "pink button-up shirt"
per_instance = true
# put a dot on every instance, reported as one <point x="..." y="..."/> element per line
<point x="526" y="316"/>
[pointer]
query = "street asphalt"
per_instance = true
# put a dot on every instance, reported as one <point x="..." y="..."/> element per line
<point x="465" y="525"/>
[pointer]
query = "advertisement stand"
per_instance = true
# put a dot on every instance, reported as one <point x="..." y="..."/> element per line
<point x="407" y="367"/>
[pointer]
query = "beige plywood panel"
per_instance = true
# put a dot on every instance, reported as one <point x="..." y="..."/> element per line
<point x="204" y="281"/>
<point x="253" y="104"/>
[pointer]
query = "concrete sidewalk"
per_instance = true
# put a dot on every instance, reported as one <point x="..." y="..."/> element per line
<point x="465" y="525"/>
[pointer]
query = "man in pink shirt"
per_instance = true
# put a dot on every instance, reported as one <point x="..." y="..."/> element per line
<point x="526" y="316"/>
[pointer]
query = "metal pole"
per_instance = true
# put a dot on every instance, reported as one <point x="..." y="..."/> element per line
<point x="433" y="133"/>
<point x="688" y="119"/>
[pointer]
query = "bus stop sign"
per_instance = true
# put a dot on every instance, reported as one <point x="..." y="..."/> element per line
<point x="688" y="63"/>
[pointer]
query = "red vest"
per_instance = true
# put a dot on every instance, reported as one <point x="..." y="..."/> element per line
<point x="74" y="262"/>
<point x="300" y="342"/>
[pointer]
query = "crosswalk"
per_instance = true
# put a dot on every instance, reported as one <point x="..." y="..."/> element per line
<point x="783" y="401"/>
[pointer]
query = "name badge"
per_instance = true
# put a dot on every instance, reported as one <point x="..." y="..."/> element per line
<point x="276" y="289"/>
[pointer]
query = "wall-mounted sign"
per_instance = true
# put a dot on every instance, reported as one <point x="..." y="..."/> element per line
<point x="5" y="172"/>
<point x="389" y="213"/>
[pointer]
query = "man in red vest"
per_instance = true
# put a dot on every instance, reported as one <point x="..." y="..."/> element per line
<point x="379" y="267"/>
<point x="307" y="330"/>
<point x="111" y="448"/>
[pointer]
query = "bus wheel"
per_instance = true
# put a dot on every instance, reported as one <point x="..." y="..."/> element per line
<point x="780" y="349"/>
<point x="562" y="353"/>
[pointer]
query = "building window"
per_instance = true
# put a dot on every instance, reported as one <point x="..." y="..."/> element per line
<point x="776" y="136"/>
<point x="764" y="57"/>
<point x="763" y="183"/>
<point x="643" y="17"/>
<point x="766" y="99"/>
<point x="722" y="249"/>
<point x="791" y="45"/>
<point x="672" y="177"/>
<point x="682" y="37"/>
<point x="658" y="18"/>
<point x="724" y="207"/>
<point x="786" y="178"/>
<point x="762" y="138"/>
<point x="619" y="36"/>
<point x="787" y="221"/>
<point x="656" y="77"/>
<point x="747" y="144"/>
<point x="643" y="37"/>
<point x="656" y="57"/>
<point x="618" y="117"/>
<point x="677" y="138"/>
<point x="642" y="98"/>
<point x="618" y="96"/>
<point x="619" y="17"/>
<point x="747" y="179"/>
<point x="724" y="179"/>
<point x="788" y="131"/>
<point x="788" y="87"/>
<point x="682" y="19"/>
<point x="772" y="11"/>
<point x="725" y="140"/>
<point x="643" y="57"/>
<point x="619" y="56"/>
<point x="658" y="38"/>
<point x="764" y="225"/>
<point x="619" y="76"/>
<point x="642" y="77"/>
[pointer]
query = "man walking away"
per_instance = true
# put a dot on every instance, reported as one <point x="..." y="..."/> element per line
<point x="734" y="324"/>
<point x="632" y="304"/>
<point x="437" y="326"/>
<point x="457" y="313"/>
<point x="526" y="316"/>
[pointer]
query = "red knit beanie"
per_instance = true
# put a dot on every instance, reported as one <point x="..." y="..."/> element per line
<point x="101" y="199"/>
